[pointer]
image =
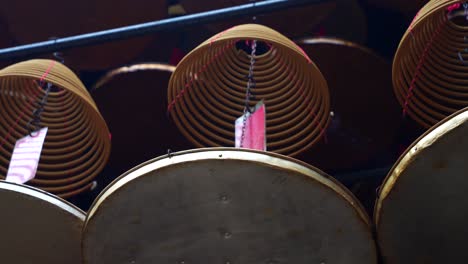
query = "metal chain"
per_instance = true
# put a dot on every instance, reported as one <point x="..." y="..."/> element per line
<point x="248" y="93"/>
<point x="34" y="124"/>
<point x="254" y="17"/>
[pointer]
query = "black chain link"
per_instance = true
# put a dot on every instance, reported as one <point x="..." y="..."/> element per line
<point x="34" y="123"/>
<point x="248" y="92"/>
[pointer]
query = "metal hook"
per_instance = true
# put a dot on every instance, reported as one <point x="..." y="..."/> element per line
<point x="465" y="8"/>
<point x="169" y="153"/>
<point x="254" y="17"/>
<point x="460" y="55"/>
<point x="35" y="122"/>
<point x="377" y="191"/>
<point x="59" y="57"/>
<point x="32" y="126"/>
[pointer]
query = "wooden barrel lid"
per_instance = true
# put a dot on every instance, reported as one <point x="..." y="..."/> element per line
<point x="133" y="101"/>
<point x="225" y="205"/>
<point x="297" y="21"/>
<point x="365" y="115"/>
<point x="33" y="21"/>
<point x="421" y="212"/>
<point x="38" y="227"/>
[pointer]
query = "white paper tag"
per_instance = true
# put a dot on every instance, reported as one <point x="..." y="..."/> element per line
<point x="254" y="131"/>
<point x="25" y="158"/>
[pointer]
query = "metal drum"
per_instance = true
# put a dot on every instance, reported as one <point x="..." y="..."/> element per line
<point x="38" y="227"/>
<point x="421" y="212"/>
<point x="224" y="205"/>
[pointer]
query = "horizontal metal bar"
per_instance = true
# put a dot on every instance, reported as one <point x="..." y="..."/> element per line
<point x="59" y="44"/>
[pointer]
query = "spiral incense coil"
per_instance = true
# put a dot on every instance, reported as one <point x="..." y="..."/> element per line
<point x="430" y="66"/>
<point x="221" y="205"/>
<point x="420" y="214"/>
<point x="207" y="90"/>
<point x="77" y="145"/>
<point x="39" y="227"/>
<point x="366" y="115"/>
<point x="142" y="129"/>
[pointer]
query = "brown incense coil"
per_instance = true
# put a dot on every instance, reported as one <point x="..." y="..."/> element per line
<point x="77" y="145"/>
<point x="420" y="214"/>
<point x="132" y="100"/>
<point x="319" y="18"/>
<point x="365" y="117"/>
<point x="206" y="92"/>
<point x="430" y="66"/>
<point x="42" y="20"/>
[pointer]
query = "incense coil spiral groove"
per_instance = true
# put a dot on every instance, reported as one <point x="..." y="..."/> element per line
<point x="430" y="67"/>
<point x="134" y="139"/>
<point x="351" y="138"/>
<point x="77" y="144"/>
<point x="207" y="90"/>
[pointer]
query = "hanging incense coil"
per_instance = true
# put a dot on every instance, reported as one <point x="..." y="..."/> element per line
<point x="295" y="22"/>
<point x="59" y="19"/>
<point x="132" y="100"/>
<point x="207" y="90"/>
<point x="365" y="117"/>
<point x="77" y="145"/>
<point x="420" y="213"/>
<point x="39" y="227"/>
<point x="220" y="205"/>
<point x="430" y="66"/>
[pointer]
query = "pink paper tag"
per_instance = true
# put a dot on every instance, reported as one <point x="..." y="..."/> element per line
<point x="25" y="157"/>
<point x="255" y="128"/>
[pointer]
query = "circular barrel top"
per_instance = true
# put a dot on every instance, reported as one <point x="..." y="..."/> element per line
<point x="38" y="227"/>
<point x="421" y="211"/>
<point x="226" y="205"/>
